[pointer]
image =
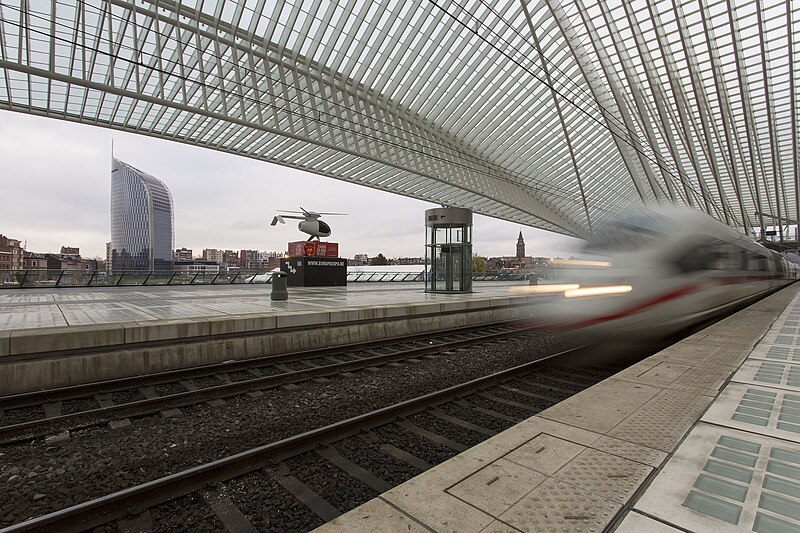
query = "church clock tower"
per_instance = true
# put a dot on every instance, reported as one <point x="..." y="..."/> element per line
<point x="520" y="246"/>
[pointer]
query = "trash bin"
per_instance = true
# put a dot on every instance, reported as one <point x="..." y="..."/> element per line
<point x="279" y="291"/>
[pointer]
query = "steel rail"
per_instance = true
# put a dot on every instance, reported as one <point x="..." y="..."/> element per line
<point x="94" y="417"/>
<point x="104" y="509"/>
<point x="71" y="392"/>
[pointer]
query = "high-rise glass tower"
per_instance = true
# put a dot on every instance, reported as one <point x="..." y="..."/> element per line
<point x="142" y="229"/>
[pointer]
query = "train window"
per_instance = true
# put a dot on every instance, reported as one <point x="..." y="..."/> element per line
<point x="725" y="256"/>
<point x="777" y="261"/>
<point x="620" y="237"/>
<point x="743" y="259"/>
<point x="708" y="255"/>
<point x="698" y="258"/>
<point x="751" y="264"/>
<point x="758" y="262"/>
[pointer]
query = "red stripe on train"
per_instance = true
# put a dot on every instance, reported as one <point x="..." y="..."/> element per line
<point x="678" y="293"/>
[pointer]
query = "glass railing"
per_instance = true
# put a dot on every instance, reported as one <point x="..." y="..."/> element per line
<point x="500" y="276"/>
<point x="15" y="279"/>
<point x="137" y="278"/>
<point x="384" y="276"/>
<point x="420" y="276"/>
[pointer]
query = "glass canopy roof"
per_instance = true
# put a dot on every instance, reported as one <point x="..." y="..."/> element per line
<point x="554" y="114"/>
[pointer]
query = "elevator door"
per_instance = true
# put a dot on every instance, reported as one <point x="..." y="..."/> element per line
<point x="454" y="268"/>
<point x="449" y="269"/>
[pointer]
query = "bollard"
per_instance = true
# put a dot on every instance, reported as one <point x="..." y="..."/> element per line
<point x="279" y="291"/>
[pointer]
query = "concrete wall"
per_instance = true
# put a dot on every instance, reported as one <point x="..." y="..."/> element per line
<point x="48" y="358"/>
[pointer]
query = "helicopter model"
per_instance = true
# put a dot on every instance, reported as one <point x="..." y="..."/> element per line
<point x="311" y="223"/>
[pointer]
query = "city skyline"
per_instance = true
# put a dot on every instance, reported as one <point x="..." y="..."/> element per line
<point x="221" y="200"/>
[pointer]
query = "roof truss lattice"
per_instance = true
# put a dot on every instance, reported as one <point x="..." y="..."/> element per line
<point x="555" y="114"/>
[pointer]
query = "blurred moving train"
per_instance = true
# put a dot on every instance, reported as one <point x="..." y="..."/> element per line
<point x="651" y="273"/>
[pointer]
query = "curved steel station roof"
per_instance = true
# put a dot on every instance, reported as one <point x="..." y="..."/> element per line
<point x="554" y="114"/>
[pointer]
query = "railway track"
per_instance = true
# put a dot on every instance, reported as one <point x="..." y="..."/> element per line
<point x="49" y="412"/>
<point x="313" y="476"/>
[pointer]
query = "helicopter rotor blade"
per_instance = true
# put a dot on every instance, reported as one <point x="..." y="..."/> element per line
<point x="308" y="213"/>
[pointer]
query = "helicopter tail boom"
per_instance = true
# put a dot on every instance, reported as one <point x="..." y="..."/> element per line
<point x="279" y="218"/>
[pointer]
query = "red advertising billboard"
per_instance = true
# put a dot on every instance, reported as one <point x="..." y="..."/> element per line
<point x="313" y="248"/>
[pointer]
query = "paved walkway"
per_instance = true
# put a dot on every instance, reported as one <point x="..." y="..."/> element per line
<point x="47" y="308"/>
<point x="60" y="337"/>
<point x="667" y="445"/>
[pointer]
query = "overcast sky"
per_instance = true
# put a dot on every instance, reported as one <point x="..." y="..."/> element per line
<point x="56" y="179"/>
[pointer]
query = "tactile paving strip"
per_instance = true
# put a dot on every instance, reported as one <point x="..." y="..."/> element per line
<point x="609" y="476"/>
<point x="725" y="355"/>
<point x="31" y="297"/>
<point x="558" y="506"/>
<point x="628" y="450"/>
<point x="101" y="312"/>
<point x="706" y="378"/>
<point x="31" y="317"/>
<point x="662" y="421"/>
<point x="85" y="297"/>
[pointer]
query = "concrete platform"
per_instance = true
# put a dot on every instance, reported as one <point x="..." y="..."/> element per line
<point x="57" y="337"/>
<point x="702" y="436"/>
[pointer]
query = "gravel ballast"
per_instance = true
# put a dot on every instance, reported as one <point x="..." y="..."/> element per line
<point x="37" y="478"/>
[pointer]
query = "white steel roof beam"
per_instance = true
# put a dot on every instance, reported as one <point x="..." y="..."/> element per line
<point x="639" y="108"/>
<point x="775" y="157"/>
<point x="684" y="115"/>
<point x="658" y="96"/>
<point x="790" y="25"/>
<point x="560" y="116"/>
<point x="622" y="147"/>
<point x="453" y="102"/>
<point x="703" y="111"/>
<point x="728" y="127"/>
